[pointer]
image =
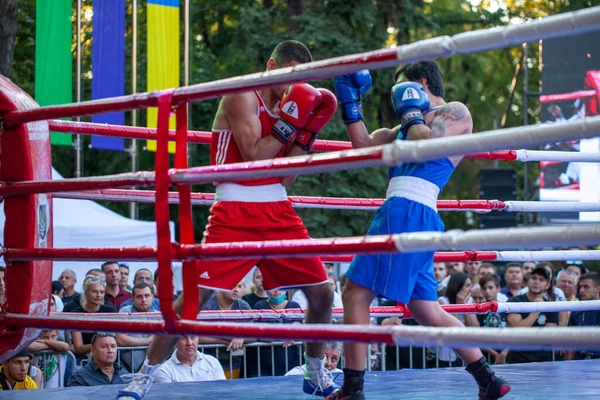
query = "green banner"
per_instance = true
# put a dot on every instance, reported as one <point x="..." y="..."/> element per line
<point x="53" y="58"/>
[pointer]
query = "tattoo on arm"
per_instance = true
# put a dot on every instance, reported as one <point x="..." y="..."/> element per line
<point x="445" y="117"/>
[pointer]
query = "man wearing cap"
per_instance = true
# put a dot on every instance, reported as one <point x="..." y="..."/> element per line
<point x="537" y="284"/>
<point x="13" y="373"/>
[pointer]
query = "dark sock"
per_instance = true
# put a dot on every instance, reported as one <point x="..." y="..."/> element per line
<point x="353" y="380"/>
<point x="481" y="371"/>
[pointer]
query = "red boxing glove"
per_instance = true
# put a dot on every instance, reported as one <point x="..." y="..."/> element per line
<point x="318" y="119"/>
<point x="298" y="101"/>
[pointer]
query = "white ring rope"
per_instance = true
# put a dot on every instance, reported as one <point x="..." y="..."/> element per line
<point x="550" y="206"/>
<point x="561" y="156"/>
<point x="549" y="306"/>
<point x="514" y="338"/>
<point x="548" y="255"/>
<point x="402" y="151"/>
<point x="504" y="338"/>
<point x="498" y="239"/>
<point x="398" y="152"/>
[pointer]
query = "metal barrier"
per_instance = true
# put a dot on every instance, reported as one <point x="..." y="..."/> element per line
<point x="429" y="357"/>
<point x="45" y="358"/>
<point x="219" y="348"/>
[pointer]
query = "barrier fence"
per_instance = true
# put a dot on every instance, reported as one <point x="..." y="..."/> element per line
<point x="237" y="364"/>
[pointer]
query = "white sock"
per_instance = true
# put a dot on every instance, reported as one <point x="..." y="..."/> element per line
<point x="147" y="368"/>
<point x="313" y="365"/>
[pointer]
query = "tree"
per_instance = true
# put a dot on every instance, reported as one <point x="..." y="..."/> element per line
<point x="236" y="37"/>
<point x="8" y="31"/>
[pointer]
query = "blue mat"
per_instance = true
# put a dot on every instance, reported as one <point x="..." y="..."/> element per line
<point x="544" y="381"/>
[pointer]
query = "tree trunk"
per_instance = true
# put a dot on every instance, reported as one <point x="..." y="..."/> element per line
<point x="8" y="31"/>
<point x="294" y="8"/>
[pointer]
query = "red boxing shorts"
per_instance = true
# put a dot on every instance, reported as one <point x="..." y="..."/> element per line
<point x="256" y="213"/>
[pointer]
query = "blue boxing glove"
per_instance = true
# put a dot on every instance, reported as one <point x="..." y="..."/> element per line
<point x="409" y="100"/>
<point x="349" y="90"/>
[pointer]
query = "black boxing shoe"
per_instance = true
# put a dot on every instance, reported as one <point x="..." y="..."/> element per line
<point x="495" y="389"/>
<point x="491" y="387"/>
<point x="340" y="395"/>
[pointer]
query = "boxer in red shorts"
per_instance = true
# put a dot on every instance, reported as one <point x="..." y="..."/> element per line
<point x="264" y="124"/>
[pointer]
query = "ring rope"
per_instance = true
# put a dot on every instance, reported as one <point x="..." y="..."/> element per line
<point x="390" y="154"/>
<point x="581" y="94"/>
<point x="503" y="256"/>
<point x="200" y="137"/>
<point x="489" y="239"/>
<point x="342" y="203"/>
<point x="377" y="312"/>
<point x="561" y="25"/>
<point x="562" y="156"/>
<point x="514" y="338"/>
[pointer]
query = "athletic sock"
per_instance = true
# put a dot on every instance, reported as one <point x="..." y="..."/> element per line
<point x="353" y="381"/>
<point x="481" y="371"/>
<point x="313" y="365"/>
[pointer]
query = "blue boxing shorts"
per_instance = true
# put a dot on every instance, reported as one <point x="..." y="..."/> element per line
<point x="399" y="276"/>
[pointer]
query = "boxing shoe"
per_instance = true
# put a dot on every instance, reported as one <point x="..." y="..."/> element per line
<point x="491" y="387"/>
<point x="340" y="395"/>
<point x="495" y="389"/>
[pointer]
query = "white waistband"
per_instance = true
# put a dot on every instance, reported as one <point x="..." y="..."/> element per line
<point x="415" y="189"/>
<point x="250" y="194"/>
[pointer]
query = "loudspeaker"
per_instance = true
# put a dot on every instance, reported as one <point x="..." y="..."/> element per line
<point x="498" y="184"/>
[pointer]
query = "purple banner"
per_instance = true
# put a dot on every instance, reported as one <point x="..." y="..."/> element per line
<point x="108" y="64"/>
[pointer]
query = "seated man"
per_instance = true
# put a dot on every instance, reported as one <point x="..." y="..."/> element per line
<point x="333" y="353"/>
<point x="187" y="364"/>
<point x="589" y="289"/>
<point x="13" y="373"/>
<point x="103" y="369"/>
<point x="143" y="296"/>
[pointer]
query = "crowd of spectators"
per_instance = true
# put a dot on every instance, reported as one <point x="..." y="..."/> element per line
<point x="102" y="358"/>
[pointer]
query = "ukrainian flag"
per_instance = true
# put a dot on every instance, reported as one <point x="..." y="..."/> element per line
<point x="162" y="54"/>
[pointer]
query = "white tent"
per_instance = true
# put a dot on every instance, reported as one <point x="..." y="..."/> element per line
<point x="84" y="223"/>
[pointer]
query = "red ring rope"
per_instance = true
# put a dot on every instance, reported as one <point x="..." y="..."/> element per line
<point x="147" y="196"/>
<point x="582" y="94"/>
<point x="200" y="137"/>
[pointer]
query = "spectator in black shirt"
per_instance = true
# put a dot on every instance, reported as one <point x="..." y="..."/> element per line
<point x="537" y="284"/>
<point x="589" y="289"/>
<point x="76" y="298"/>
<point x="258" y="291"/>
<point x="91" y="301"/>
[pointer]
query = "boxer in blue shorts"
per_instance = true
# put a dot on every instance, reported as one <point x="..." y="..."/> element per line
<point x="418" y="100"/>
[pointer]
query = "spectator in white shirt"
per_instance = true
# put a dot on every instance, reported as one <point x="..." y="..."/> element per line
<point x="187" y="364"/>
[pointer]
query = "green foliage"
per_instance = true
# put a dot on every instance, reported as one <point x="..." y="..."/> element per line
<point x="230" y="38"/>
